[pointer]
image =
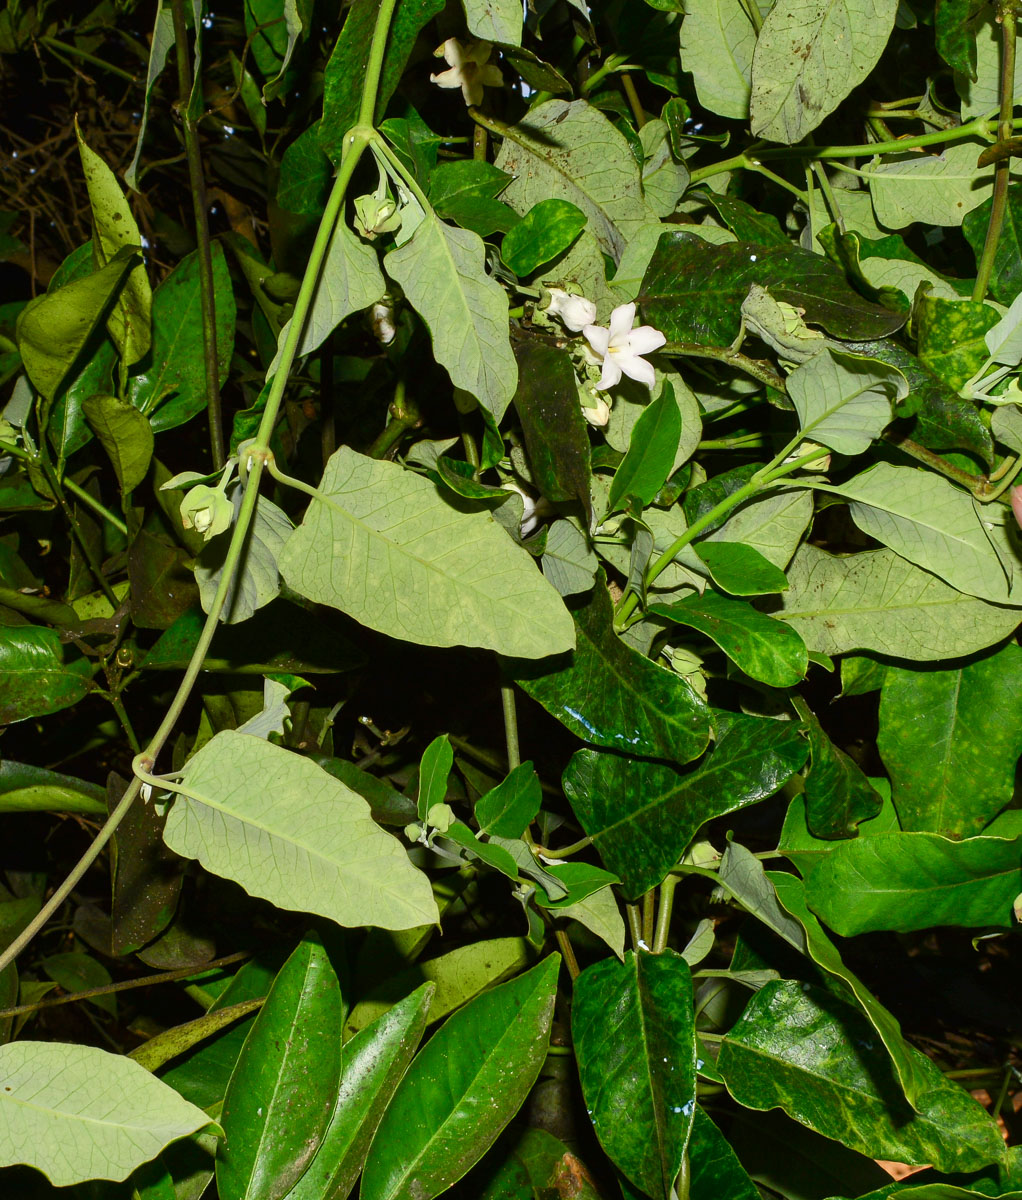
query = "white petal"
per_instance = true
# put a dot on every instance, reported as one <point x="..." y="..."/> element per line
<point x="598" y="338"/>
<point x="621" y="323"/>
<point x="447" y="79"/>
<point x="472" y="89"/>
<point x="454" y="52"/>
<point x="598" y="416"/>
<point x="635" y="368"/>
<point x="612" y="372"/>
<point x="645" y="340"/>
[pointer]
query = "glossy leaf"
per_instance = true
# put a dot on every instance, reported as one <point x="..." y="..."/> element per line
<point x="165" y="1046"/>
<point x="797" y="1048"/>
<point x="634" y="1034"/>
<point x="838" y="794"/>
<point x="763" y="648"/>
<point x="374" y="1061"/>
<point x="740" y="569"/>
<point x="951" y="339"/>
<point x="714" y="1168"/>
<point x="170" y="386"/>
<point x="309" y="842"/>
<point x="546" y="231"/>
<point x="434" y="771"/>
<point x="410" y="565"/>
<point x="126" y="436"/>
<point x="642" y="815"/>
<point x="507" y="809"/>
<point x="462" y="1088"/>
<point x="879" y="601"/>
<point x="442" y="273"/>
<point x="950" y="740"/>
<point x="610" y="695"/>
<point x="651" y="451"/>
<point x="844" y="401"/>
<point x="694" y="292"/>
<point x="24" y="788"/>
<point x="282" y="1090"/>
<point x="35" y="676"/>
<point x="1006" y="276"/>
<point x="903" y="881"/>
<point x="78" y="1113"/>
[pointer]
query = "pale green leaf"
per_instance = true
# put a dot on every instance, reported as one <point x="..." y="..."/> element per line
<point x="772" y="524"/>
<point x="441" y="270"/>
<point x="572" y="152"/>
<point x="924" y="518"/>
<point x="905" y="276"/>
<point x="568" y="561"/>
<point x="664" y="178"/>
<point x="810" y="54"/>
<point x="78" y="1113"/>
<point x="600" y="913"/>
<point x="381" y="544"/>
<point x="983" y="94"/>
<point x="843" y="400"/>
<point x="125" y="434"/>
<point x="1004" y="340"/>
<point x="495" y="20"/>
<point x="287" y="832"/>
<point x="257" y="580"/>
<point x="350" y="281"/>
<point x="159" y="48"/>
<point x="936" y="189"/>
<point x="717" y="43"/>
<point x="878" y="601"/>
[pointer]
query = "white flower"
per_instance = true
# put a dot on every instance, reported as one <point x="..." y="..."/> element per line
<point x="530" y="513"/>
<point x="470" y="68"/>
<point x="621" y="346"/>
<point x="576" y="312"/>
<point x="599" y="414"/>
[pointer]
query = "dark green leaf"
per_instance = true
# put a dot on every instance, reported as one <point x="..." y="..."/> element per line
<point x="610" y="695"/>
<point x="739" y="569"/>
<point x="950" y="335"/>
<point x="950" y="740"/>
<point x="642" y="815"/>
<point x="162" y="581"/>
<point x="525" y="1166"/>
<point x="342" y="79"/>
<point x="281" y="1094"/>
<point x="24" y="788"/>
<point x="764" y="648"/>
<point x="555" y="431"/>
<point x="305" y="174"/>
<point x="125" y="434"/>
<point x="507" y="809"/>
<point x="414" y="143"/>
<point x="389" y="806"/>
<point x="374" y="1061"/>
<point x="434" y="771"/>
<point x="744" y="221"/>
<point x="78" y="972"/>
<point x="1006" y="276"/>
<point x="714" y="1169"/>
<point x="651" y="450"/>
<point x="580" y="879"/>
<point x="798" y="1048"/>
<point x="464" y="1086"/>
<point x="634" y="1033"/>
<point x="546" y="230"/>
<point x="954" y="35"/>
<point x="460" y="478"/>
<point x="904" y="881"/>
<point x="693" y="292"/>
<point x="170" y="388"/>
<point x="34" y="678"/>
<point x="540" y="75"/>
<point x="838" y="794"/>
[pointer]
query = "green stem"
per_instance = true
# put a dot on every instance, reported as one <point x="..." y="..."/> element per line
<point x="374" y="68"/>
<point x="632" y="96"/>
<point x="117" y="704"/>
<point x="507" y="700"/>
<point x="759" y="169"/>
<point x="53" y="44"/>
<point x="663" y="924"/>
<point x="1002" y="172"/>
<point x="200" y="213"/>
<point x="975" y="483"/>
<point x="634" y="924"/>
<point x="648" y="911"/>
<point x="90" y="559"/>
<point x="757" y="368"/>
<point x="566" y="851"/>
<point x="404" y="415"/>
<point x="828" y="196"/>
<point x="99" y="509"/>
<point x="568" y="952"/>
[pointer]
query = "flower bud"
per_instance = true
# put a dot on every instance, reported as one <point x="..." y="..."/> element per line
<point x="575" y="312"/>
<point x="376" y="214"/>
<point x="206" y="510"/>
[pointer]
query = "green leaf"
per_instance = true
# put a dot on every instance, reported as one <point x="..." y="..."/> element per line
<point x="979" y="85"/>
<point x="408" y="564"/>
<point x="610" y="695"/>
<point x="570" y="151"/>
<point x="950" y="335"/>
<point x="878" y="601"/>
<point x="773" y="525"/>
<point x="494" y="20"/>
<point x="936" y="189"/>
<point x="76" y="971"/>
<point x="159" y="47"/>
<point x="462" y="1088"/>
<point x="125" y="434"/>
<point x="651" y="450"/>
<point x="742" y="874"/>
<point x="350" y="281"/>
<point x="52" y="330"/>
<point x="950" y="739"/>
<point x="305" y="174"/>
<point x="799" y="1049"/>
<point x="809" y="57"/>
<point x="1006" y="275"/>
<point x="507" y="809"/>
<point x="546" y="230"/>
<point x="114" y="231"/>
<point x="717" y="42"/>
<point x="171" y="1043"/>
<point x="555" y="431"/>
<point x="170" y="387"/>
<point x="25" y="788"/>
<point x="78" y="1113"/>
<point x="344" y="74"/>
<point x="955" y="39"/>
<point x="844" y="401"/>
<point x="740" y="569"/>
<point x="36" y="679"/>
<point x="309" y="842"/>
<point x="442" y="272"/>
<point x="763" y="648"/>
<point x="838" y="794"/>
<point x="744" y="221"/>
<point x="374" y="1061"/>
<point x="642" y="815"/>
<point x="634" y="1033"/>
<point x="693" y="292"/>
<point x="904" y="881"/>
<point x="257" y="580"/>
<point x="281" y="1094"/>
<point x="915" y="1080"/>
<point x="926" y="519"/>
<point x="465" y="192"/>
<point x="714" y="1168"/>
<point x="568" y="561"/>
<point x="600" y="913"/>
<point x="434" y="772"/>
